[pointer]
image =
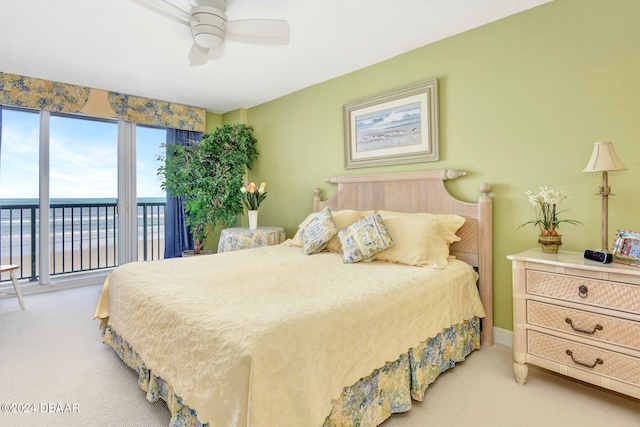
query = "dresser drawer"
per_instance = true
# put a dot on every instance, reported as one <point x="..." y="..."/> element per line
<point x="601" y="293"/>
<point x="582" y="323"/>
<point x="584" y="357"/>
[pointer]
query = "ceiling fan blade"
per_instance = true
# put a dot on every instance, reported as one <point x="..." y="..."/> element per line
<point x="265" y="41"/>
<point x="216" y="53"/>
<point x="170" y="9"/>
<point x="263" y="28"/>
<point x="199" y="55"/>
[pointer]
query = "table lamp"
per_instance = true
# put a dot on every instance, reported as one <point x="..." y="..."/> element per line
<point x="604" y="159"/>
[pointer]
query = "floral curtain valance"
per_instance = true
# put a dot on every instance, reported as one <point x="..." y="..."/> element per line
<point x="40" y="94"/>
<point x="157" y="113"/>
<point x="29" y="92"/>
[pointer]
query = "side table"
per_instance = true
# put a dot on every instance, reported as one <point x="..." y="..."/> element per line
<point x="237" y="238"/>
<point x="11" y="268"/>
<point x="578" y="318"/>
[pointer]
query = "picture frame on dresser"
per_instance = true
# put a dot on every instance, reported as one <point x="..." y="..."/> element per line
<point x="395" y="127"/>
<point x="626" y="249"/>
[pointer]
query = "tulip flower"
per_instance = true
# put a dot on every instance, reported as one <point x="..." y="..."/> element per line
<point x="253" y="195"/>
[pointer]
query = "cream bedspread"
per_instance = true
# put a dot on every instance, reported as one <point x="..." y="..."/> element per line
<point x="269" y="336"/>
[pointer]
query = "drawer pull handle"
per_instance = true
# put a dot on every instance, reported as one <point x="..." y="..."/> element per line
<point x="598" y="327"/>
<point x="586" y="365"/>
<point x="583" y="291"/>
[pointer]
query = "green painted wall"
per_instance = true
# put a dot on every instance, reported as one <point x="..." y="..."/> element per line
<point x="236" y="116"/>
<point x="214" y="120"/>
<point x="522" y="100"/>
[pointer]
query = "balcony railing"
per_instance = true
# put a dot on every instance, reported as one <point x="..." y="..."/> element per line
<point x="83" y="236"/>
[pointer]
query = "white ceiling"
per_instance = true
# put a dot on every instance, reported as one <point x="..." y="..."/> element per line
<point x="125" y="46"/>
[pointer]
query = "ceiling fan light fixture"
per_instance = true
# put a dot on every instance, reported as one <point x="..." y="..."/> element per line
<point x="210" y="26"/>
<point x="207" y="37"/>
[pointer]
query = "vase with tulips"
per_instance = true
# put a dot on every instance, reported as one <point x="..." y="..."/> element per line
<point x="252" y="196"/>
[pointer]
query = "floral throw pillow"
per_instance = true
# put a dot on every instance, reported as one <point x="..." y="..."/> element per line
<point x="363" y="239"/>
<point x="318" y="232"/>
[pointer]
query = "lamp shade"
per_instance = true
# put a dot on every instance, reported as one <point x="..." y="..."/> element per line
<point x="604" y="159"/>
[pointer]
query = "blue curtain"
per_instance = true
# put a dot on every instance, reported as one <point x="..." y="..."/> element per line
<point x="178" y="237"/>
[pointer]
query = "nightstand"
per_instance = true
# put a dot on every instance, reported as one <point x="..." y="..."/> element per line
<point x="578" y="318"/>
<point x="237" y="238"/>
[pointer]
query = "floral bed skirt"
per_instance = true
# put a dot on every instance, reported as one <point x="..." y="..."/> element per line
<point x="369" y="402"/>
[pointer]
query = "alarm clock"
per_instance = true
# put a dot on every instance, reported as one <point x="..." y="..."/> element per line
<point x="598" y="256"/>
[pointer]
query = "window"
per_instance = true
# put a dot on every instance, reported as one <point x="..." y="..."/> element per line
<point x="19" y="174"/>
<point x="151" y="198"/>
<point x="62" y="182"/>
<point x="83" y="189"/>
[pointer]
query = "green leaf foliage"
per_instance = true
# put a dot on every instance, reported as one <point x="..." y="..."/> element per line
<point x="207" y="174"/>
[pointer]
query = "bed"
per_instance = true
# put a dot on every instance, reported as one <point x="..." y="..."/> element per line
<point x="276" y="337"/>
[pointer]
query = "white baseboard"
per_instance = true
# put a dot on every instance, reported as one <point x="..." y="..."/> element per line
<point x="58" y="283"/>
<point x="503" y="337"/>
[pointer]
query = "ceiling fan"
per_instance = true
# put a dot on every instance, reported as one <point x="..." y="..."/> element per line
<point x="210" y="27"/>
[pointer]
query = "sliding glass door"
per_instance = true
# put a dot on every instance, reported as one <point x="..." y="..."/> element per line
<point x="68" y="195"/>
<point x="83" y="190"/>
<point x="150" y="197"/>
<point x="19" y="174"/>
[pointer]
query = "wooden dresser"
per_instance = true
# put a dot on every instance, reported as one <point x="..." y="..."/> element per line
<point x="577" y="317"/>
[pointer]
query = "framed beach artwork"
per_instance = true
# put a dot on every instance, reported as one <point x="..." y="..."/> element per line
<point x="626" y="250"/>
<point x="391" y="128"/>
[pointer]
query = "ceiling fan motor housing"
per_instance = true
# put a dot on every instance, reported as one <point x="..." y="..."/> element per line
<point x="208" y="26"/>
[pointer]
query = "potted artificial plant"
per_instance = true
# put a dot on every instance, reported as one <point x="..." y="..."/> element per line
<point x="544" y="203"/>
<point x="206" y="175"/>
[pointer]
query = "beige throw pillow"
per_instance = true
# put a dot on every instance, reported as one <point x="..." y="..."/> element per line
<point x="419" y="240"/>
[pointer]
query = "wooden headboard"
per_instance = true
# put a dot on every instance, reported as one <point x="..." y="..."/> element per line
<point x="425" y="192"/>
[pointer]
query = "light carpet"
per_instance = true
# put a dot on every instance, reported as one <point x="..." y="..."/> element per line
<point x="52" y="359"/>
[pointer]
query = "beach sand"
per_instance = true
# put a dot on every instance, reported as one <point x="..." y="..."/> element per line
<point x="77" y="260"/>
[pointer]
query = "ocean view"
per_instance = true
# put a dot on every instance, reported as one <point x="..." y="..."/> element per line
<point x="83" y="180"/>
<point x="83" y="231"/>
<point x="59" y="201"/>
<point x="86" y="216"/>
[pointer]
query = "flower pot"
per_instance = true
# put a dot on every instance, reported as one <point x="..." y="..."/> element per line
<point x="253" y="219"/>
<point x="550" y="244"/>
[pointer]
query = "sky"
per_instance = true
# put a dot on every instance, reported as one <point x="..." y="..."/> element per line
<point x="83" y="157"/>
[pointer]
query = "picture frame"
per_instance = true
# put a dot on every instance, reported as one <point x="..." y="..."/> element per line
<point x="391" y="128"/>
<point x="626" y="249"/>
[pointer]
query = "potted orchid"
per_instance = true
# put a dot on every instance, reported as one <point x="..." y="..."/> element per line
<point x="252" y="196"/>
<point x="545" y="204"/>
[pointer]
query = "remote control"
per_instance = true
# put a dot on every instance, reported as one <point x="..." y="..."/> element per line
<point x="598" y="256"/>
